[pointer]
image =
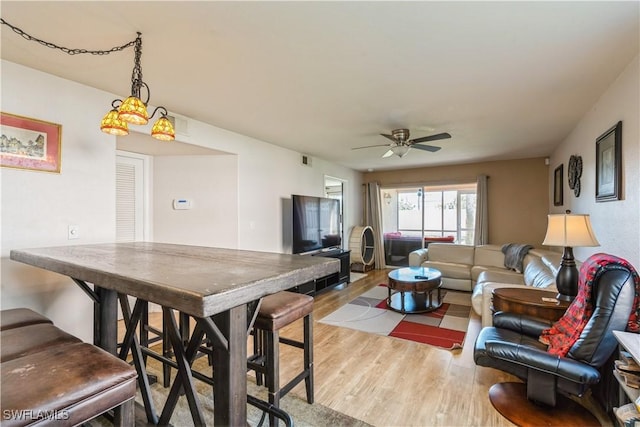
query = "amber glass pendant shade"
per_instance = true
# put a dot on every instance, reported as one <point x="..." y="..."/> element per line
<point x="134" y="111"/>
<point x="112" y="124"/>
<point x="163" y="130"/>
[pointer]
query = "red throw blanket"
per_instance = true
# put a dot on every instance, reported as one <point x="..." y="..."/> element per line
<point x="561" y="336"/>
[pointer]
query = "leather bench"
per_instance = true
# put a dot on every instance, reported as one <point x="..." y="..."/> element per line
<point x="49" y="377"/>
<point x="17" y="317"/>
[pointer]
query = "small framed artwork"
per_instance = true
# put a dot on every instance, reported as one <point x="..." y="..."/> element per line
<point x="558" y="187"/>
<point x="31" y="144"/>
<point x="609" y="164"/>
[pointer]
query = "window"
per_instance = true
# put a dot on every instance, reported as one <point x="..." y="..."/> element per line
<point x="450" y="212"/>
<point x="410" y="215"/>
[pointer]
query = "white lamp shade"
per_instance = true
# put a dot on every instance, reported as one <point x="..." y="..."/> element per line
<point x="569" y="230"/>
<point x="400" y="150"/>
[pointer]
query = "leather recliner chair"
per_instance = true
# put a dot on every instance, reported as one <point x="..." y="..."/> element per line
<point x="512" y="345"/>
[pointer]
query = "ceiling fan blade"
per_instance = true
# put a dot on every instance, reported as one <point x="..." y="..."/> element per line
<point x="369" y="146"/>
<point x="387" y="154"/>
<point x="389" y="137"/>
<point x="436" y="137"/>
<point x="431" y="148"/>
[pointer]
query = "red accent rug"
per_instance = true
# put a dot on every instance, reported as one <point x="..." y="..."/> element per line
<point x="445" y="327"/>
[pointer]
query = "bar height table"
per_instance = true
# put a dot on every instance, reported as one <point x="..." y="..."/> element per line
<point x="213" y="285"/>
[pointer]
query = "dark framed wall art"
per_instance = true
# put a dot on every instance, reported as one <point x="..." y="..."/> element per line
<point x="558" y="175"/>
<point x="609" y="164"/>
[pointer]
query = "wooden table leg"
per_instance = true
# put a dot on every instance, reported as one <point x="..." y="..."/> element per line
<point x="105" y="316"/>
<point x="230" y="368"/>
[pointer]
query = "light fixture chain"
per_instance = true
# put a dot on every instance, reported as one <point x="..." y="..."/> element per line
<point x="136" y="75"/>
<point x="66" y="49"/>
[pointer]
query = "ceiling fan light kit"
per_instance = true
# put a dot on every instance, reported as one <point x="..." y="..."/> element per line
<point x="400" y="150"/>
<point x="401" y="143"/>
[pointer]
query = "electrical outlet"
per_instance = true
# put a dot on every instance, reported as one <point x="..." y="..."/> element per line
<point x="74" y="232"/>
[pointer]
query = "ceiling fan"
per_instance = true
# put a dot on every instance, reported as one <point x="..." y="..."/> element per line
<point x="401" y="143"/>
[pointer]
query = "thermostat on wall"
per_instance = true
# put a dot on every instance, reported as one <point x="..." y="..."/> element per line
<point x="179" y="204"/>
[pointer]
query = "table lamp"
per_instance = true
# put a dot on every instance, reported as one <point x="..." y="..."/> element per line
<point x="569" y="230"/>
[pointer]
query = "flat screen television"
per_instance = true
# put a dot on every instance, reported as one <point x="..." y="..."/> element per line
<point x="316" y="224"/>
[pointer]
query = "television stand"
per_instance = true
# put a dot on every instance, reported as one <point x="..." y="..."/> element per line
<point x="327" y="282"/>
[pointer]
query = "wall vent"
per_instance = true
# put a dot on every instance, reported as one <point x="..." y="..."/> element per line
<point x="306" y="160"/>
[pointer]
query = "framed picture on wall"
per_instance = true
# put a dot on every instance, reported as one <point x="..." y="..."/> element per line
<point x="27" y="143"/>
<point x="609" y="164"/>
<point x="558" y="186"/>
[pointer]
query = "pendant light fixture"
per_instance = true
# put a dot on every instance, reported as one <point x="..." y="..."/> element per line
<point x="113" y="124"/>
<point x="130" y="111"/>
<point x="133" y="110"/>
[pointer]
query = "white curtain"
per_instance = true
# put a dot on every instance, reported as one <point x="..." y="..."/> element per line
<point x="373" y="218"/>
<point x="482" y="217"/>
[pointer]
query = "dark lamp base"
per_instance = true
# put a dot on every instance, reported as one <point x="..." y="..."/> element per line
<point x="562" y="297"/>
<point x="567" y="277"/>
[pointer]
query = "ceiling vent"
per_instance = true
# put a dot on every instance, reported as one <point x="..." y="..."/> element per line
<point x="306" y="160"/>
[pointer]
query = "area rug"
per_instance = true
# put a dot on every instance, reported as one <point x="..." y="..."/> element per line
<point x="302" y="413"/>
<point x="445" y="327"/>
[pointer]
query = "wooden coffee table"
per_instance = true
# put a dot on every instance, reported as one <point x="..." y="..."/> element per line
<point x="411" y="290"/>
<point x="530" y="302"/>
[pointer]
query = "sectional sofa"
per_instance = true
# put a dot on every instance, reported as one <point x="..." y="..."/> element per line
<point x="481" y="269"/>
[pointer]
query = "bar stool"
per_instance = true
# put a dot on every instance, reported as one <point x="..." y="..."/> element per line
<point x="277" y="311"/>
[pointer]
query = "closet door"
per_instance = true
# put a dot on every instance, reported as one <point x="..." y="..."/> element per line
<point x="132" y="203"/>
<point x="130" y="207"/>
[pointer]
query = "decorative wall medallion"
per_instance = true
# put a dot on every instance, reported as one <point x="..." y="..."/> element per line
<point x="574" y="172"/>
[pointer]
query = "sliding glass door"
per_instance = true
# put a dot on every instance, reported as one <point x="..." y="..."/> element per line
<point x="414" y="217"/>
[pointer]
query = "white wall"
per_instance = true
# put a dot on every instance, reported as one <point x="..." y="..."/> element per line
<point x="616" y="223"/>
<point x="267" y="177"/>
<point x="37" y="207"/>
<point x="211" y="183"/>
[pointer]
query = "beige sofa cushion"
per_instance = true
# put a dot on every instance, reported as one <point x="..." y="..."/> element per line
<point x="476" y="270"/>
<point x="456" y="284"/>
<point x="505" y="276"/>
<point x="446" y="252"/>
<point x="489" y="256"/>
<point x="482" y="299"/>
<point x="539" y="271"/>
<point x="538" y="275"/>
<point x="450" y="269"/>
<point x="417" y="257"/>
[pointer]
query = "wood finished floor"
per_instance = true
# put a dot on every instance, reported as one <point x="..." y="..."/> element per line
<point x="386" y="381"/>
<point x="392" y="382"/>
